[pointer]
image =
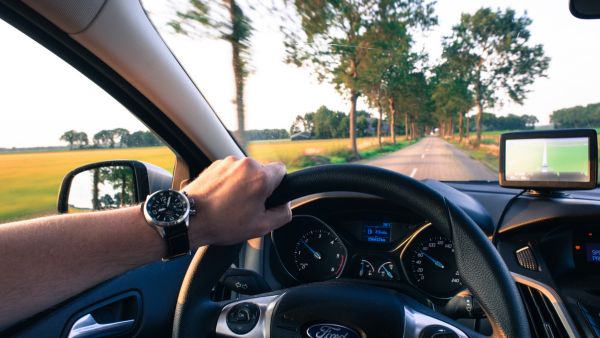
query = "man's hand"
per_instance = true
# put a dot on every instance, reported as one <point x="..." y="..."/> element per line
<point x="47" y="260"/>
<point x="230" y="200"/>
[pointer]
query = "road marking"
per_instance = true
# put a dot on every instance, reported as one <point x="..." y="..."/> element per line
<point x="422" y="156"/>
<point x="413" y="172"/>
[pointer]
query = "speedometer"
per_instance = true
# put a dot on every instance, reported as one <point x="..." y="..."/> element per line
<point x="309" y="250"/>
<point x="430" y="264"/>
<point x="319" y="255"/>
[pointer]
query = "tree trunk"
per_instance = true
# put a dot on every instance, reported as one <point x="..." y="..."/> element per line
<point x="95" y="189"/>
<point x="451" y="128"/>
<point x="380" y="109"/>
<point x="406" y="127"/>
<point x="392" y="118"/>
<point x="239" y="76"/>
<point x="123" y="188"/>
<point x="478" y="123"/>
<point x="468" y="133"/>
<point x="413" y="130"/>
<point x="460" y="127"/>
<point x="352" y="115"/>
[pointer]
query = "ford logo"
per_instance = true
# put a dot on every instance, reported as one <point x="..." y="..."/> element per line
<point x="331" y="331"/>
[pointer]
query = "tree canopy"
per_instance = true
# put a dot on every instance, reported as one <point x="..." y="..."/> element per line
<point x="331" y="38"/>
<point x="73" y="138"/>
<point x="493" y="45"/>
<point x="325" y="123"/>
<point x="577" y="117"/>
<point x="109" y="138"/>
<point x="225" y="20"/>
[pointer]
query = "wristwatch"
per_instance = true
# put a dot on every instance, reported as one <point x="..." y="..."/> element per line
<point x="168" y="212"/>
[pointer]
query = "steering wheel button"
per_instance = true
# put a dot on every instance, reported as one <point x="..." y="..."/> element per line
<point x="242" y="318"/>
<point x="437" y="331"/>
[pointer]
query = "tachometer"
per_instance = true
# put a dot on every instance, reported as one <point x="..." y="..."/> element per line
<point x="319" y="254"/>
<point x="430" y="264"/>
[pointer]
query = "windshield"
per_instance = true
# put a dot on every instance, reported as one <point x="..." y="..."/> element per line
<point x="416" y="86"/>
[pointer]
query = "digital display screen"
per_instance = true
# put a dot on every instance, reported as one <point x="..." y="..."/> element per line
<point x="547" y="159"/>
<point x="377" y="233"/>
<point x="592" y="252"/>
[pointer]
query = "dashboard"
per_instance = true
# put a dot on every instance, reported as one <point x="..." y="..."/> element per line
<point x="550" y="245"/>
<point x="368" y="240"/>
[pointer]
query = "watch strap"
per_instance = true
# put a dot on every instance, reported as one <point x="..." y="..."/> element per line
<point x="176" y="239"/>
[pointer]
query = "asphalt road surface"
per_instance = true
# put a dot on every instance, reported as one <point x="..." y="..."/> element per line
<point x="433" y="157"/>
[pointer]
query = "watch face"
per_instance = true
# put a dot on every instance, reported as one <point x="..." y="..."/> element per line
<point x="167" y="207"/>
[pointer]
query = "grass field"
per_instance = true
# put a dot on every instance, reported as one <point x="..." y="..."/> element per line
<point x="29" y="182"/>
<point x="292" y="153"/>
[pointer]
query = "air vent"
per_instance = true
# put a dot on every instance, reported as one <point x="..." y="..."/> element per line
<point x="526" y="258"/>
<point x="543" y="319"/>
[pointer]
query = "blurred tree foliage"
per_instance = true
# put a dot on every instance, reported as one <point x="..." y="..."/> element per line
<point x="266" y="134"/>
<point x="225" y="20"/>
<point x="109" y="138"/>
<point x="577" y="117"/>
<point x="325" y="123"/>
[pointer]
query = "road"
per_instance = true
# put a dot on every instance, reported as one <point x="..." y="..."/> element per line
<point x="432" y="157"/>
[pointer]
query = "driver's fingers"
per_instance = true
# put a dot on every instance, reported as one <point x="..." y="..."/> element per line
<point x="278" y="216"/>
<point x="274" y="174"/>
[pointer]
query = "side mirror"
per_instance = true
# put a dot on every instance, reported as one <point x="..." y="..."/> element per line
<point x="110" y="185"/>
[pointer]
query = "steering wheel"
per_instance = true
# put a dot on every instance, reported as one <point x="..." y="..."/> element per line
<point x="352" y="309"/>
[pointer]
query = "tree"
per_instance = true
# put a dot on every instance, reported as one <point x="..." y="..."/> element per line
<point x="364" y="123"/>
<point x="302" y="123"/>
<point x="412" y="97"/>
<point x="508" y="122"/>
<point x="452" y="98"/>
<point x="75" y="138"/>
<point x="577" y="117"/>
<point x="390" y="46"/>
<point x="121" y="179"/>
<point x="227" y="22"/>
<point x="103" y="138"/>
<point x="325" y="123"/>
<point x="267" y="134"/>
<point x="70" y="137"/>
<point x="530" y="121"/>
<point x="331" y="40"/>
<point x="142" y="139"/>
<point x="494" y="46"/>
<point x="82" y="139"/>
<point x="119" y="136"/>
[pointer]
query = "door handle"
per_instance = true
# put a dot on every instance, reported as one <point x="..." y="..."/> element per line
<point x="87" y="327"/>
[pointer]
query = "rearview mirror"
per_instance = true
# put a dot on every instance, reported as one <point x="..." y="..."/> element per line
<point x="110" y="185"/>
<point x="585" y="9"/>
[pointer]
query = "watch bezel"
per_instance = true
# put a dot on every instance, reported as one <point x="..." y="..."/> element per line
<point x="164" y="224"/>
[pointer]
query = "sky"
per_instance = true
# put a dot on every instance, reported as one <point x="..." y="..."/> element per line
<point x="41" y="96"/>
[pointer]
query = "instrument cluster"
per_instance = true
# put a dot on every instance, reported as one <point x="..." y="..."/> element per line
<point x="362" y="246"/>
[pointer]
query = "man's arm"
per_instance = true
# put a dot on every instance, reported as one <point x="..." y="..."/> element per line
<point x="47" y="260"/>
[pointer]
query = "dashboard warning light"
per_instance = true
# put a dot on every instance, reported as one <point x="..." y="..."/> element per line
<point x="589" y="234"/>
<point x="577" y="247"/>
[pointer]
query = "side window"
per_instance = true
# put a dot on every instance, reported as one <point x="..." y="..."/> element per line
<point x="52" y="120"/>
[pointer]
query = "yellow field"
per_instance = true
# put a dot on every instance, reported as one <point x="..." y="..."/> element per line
<point x="29" y="182"/>
<point x="287" y="151"/>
